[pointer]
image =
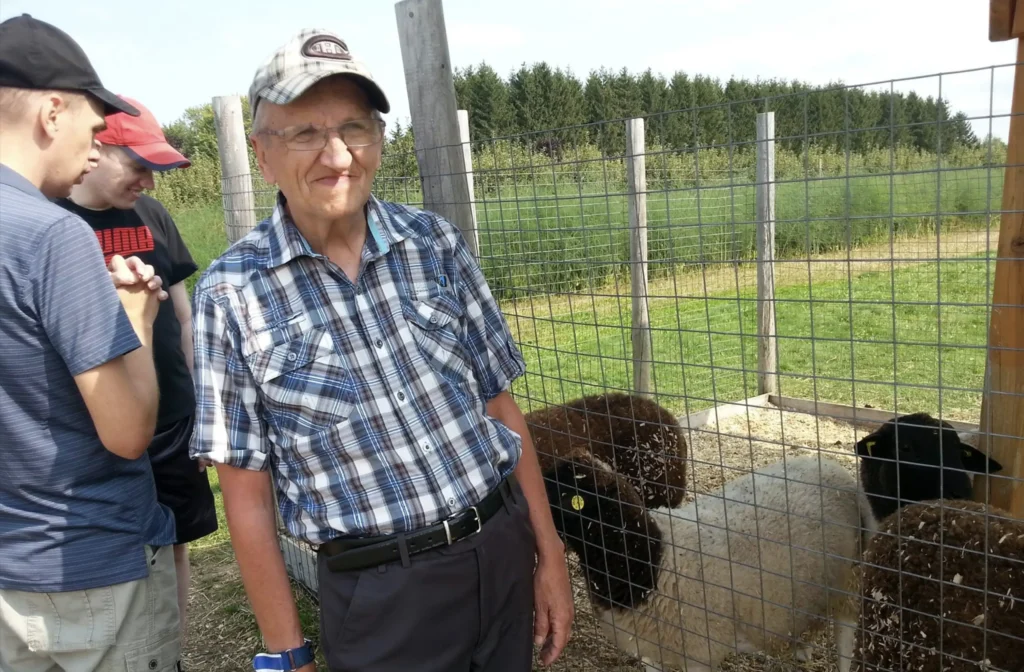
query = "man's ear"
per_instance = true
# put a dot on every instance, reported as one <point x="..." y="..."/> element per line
<point x="259" y="149"/>
<point x="52" y="112"/>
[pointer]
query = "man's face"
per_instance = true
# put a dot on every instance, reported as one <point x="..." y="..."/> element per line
<point x="325" y="184"/>
<point x="118" y="180"/>
<point x="71" y="126"/>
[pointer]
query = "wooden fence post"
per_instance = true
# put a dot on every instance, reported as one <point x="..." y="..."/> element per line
<point x="467" y="159"/>
<point x="636" y="185"/>
<point x="435" y="123"/>
<point x="235" y="178"/>
<point x="1001" y="426"/>
<point x="767" y="356"/>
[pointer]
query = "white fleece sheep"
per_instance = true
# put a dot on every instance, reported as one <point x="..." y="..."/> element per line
<point x="811" y="518"/>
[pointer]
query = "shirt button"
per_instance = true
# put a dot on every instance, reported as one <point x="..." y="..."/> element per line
<point x="451" y="501"/>
<point x="379" y="343"/>
<point x="433" y="319"/>
<point x="427" y="447"/>
<point x="291" y="356"/>
<point x="401" y="396"/>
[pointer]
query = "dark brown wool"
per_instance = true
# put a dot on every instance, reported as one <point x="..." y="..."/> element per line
<point x="632" y="434"/>
<point x="924" y="602"/>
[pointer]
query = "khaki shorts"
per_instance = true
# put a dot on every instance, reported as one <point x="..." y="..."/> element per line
<point x="127" y="627"/>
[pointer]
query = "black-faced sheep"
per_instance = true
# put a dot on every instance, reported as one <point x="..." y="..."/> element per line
<point x="900" y="462"/>
<point x="769" y="560"/>
<point x="943" y="589"/>
<point x="632" y="435"/>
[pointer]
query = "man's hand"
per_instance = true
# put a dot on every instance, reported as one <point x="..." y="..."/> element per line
<point x="139" y="288"/>
<point x="553" y="606"/>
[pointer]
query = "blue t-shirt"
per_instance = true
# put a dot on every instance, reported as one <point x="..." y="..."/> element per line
<point x="73" y="515"/>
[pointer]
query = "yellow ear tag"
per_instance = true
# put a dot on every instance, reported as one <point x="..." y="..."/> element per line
<point x="967" y="453"/>
<point x="869" y="445"/>
<point x="577" y="502"/>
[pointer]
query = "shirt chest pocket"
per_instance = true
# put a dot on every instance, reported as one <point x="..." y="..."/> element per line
<point x="304" y="383"/>
<point x="436" y="326"/>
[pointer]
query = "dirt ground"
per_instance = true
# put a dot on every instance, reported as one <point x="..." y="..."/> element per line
<point x="717" y="453"/>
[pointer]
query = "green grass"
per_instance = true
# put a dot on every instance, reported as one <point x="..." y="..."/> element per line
<point x="878" y="338"/>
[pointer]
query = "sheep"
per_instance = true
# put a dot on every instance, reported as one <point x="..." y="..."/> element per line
<point x="915" y="477"/>
<point x="651" y="573"/>
<point x="943" y="589"/>
<point x="632" y="435"/>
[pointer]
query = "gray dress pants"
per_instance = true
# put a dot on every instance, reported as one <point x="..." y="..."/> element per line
<point x="467" y="607"/>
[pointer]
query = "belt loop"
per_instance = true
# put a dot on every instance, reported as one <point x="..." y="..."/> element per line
<point x="506" y="495"/>
<point x="403" y="550"/>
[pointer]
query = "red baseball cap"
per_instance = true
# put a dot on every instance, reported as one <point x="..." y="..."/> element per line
<point x="142" y="138"/>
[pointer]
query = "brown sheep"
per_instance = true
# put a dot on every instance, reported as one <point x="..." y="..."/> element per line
<point x="931" y="597"/>
<point x="630" y="434"/>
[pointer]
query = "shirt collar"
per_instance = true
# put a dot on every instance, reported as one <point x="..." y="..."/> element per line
<point x="13" y="178"/>
<point x="286" y="242"/>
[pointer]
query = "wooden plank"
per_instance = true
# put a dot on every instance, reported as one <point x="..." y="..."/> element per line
<point x="1002" y="408"/>
<point x="722" y="411"/>
<point x="236" y="179"/>
<point x="467" y="159"/>
<point x="435" y="123"/>
<point x="767" y="354"/>
<point x="636" y="185"/>
<point x="1000" y="19"/>
<point x="1018" y="21"/>
<point x="867" y="418"/>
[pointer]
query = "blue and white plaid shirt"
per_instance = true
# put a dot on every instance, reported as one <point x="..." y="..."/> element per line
<point x="368" y="399"/>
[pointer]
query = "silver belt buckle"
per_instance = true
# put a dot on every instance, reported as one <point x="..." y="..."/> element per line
<point x="448" y="530"/>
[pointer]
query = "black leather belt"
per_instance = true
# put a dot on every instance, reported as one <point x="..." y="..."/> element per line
<point x="348" y="553"/>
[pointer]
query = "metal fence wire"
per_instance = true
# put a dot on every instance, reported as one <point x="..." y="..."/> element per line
<point x="764" y="287"/>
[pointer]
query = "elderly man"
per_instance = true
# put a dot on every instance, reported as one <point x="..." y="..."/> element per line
<point x="85" y="581"/>
<point x="349" y="351"/>
<point x="128" y="222"/>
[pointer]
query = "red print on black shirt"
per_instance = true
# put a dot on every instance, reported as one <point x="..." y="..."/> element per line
<point x="125" y="241"/>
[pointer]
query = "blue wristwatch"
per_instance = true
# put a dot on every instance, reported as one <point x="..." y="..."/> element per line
<point x="284" y="661"/>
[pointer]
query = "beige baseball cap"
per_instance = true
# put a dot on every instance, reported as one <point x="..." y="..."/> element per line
<point x="303" y="61"/>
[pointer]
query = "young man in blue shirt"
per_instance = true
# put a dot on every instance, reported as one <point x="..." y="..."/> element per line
<point x="86" y="575"/>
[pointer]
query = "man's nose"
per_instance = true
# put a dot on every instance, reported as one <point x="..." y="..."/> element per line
<point x="336" y="153"/>
<point x="147" y="180"/>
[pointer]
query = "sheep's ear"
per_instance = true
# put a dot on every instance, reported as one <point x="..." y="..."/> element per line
<point x="977" y="461"/>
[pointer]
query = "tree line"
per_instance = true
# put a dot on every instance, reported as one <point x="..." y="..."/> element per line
<point x="685" y="111"/>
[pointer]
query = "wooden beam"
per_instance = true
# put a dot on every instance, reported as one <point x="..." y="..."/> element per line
<point x="1001" y="19"/>
<point x="1018" y="21"/>
<point x="1002" y="407"/>
<point x="636" y="186"/>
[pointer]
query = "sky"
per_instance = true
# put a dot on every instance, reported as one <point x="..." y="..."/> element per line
<point x="175" y="55"/>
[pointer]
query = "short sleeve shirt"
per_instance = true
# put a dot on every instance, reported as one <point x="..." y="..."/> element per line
<point x="366" y="398"/>
<point x="73" y="515"/>
<point x="148" y="232"/>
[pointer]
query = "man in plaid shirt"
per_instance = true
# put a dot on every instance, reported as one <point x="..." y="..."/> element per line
<point x="349" y="350"/>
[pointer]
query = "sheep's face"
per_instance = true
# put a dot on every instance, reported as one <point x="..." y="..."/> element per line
<point x="601" y="518"/>
<point x="924" y="448"/>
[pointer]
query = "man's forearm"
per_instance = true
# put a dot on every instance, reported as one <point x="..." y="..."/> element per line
<point x="528" y="473"/>
<point x="142" y="374"/>
<point x="249" y="508"/>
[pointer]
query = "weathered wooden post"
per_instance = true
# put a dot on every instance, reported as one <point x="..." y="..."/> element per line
<point x="767" y="355"/>
<point x="432" y="105"/>
<point x="467" y="159"/>
<point x="636" y="186"/>
<point x="235" y="178"/>
<point x="1002" y="409"/>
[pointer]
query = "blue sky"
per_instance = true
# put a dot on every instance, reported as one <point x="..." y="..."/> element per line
<point x="174" y="55"/>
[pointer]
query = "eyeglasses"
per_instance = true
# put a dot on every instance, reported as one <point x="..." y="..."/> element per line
<point x="355" y="133"/>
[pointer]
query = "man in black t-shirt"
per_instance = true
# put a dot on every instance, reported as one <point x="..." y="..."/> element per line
<point x="126" y="223"/>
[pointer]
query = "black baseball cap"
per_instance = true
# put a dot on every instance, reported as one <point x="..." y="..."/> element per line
<point x="37" y="55"/>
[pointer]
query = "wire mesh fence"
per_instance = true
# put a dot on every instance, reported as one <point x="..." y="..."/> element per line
<point x="868" y="236"/>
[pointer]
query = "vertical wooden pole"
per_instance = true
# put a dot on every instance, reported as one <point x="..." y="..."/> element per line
<point x="1002" y="408"/>
<point x="432" y="104"/>
<point x="767" y="360"/>
<point x="467" y="159"/>
<point x="236" y="180"/>
<point x="636" y="185"/>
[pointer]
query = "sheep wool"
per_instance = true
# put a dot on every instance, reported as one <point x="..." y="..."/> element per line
<point x="630" y="434"/>
<point x="943" y="589"/>
<point x="750" y="568"/>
